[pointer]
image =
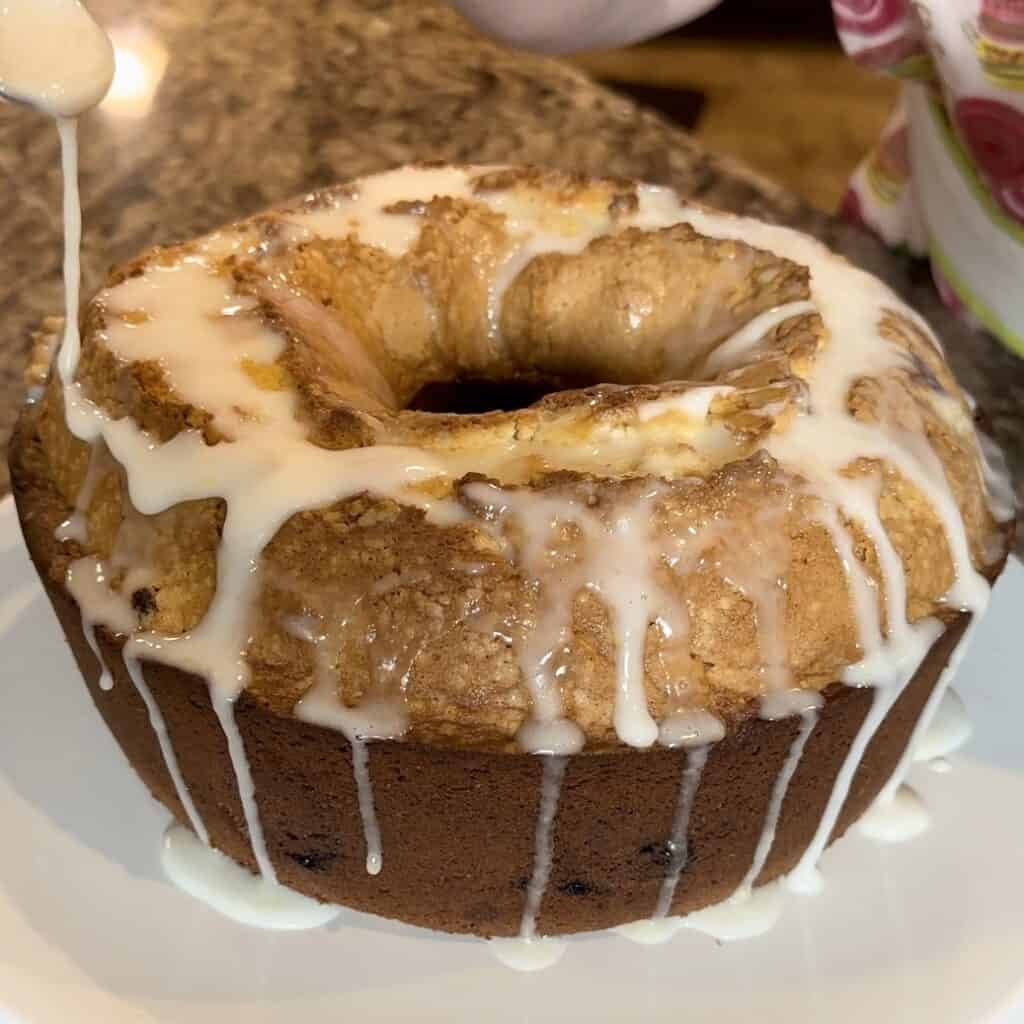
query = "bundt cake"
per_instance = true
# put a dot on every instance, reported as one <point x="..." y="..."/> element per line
<point x="509" y="552"/>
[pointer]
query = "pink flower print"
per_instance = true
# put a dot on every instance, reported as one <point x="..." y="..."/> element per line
<point x="999" y="42"/>
<point x="894" y="151"/>
<point x="994" y="135"/>
<point x="851" y="210"/>
<point x="949" y="297"/>
<point x="1002" y="20"/>
<point x="1011" y="199"/>
<point x="868" y="16"/>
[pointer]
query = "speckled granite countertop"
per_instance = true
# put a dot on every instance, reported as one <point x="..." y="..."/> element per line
<point x="259" y="100"/>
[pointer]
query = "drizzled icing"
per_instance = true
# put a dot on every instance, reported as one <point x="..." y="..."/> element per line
<point x="86" y="581"/>
<point x="739" y="917"/>
<point x="187" y="318"/>
<point x="156" y="720"/>
<point x="808" y="712"/>
<point x="696" y="732"/>
<point x="805" y="877"/>
<point x="901" y="817"/>
<point x="75" y="526"/>
<point x="269" y="472"/>
<point x="528" y="951"/>
<point x="550" y="791"/>
<point x="616" y="565"/>
<point x="210" y="876"/>
<point x="373" y="719"/>
<point x="946" y="731"/>
<point x="943" y="718"/>
<point x="53" y="56"/>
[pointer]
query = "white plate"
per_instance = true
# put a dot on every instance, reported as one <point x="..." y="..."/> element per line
<point x="926" y="931"/>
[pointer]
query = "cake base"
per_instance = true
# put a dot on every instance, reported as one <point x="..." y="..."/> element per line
<point x="458" y="827"/>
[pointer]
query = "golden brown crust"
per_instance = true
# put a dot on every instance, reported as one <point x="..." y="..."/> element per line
<point x="366" y="330"/>
<point x="646" y="306"/>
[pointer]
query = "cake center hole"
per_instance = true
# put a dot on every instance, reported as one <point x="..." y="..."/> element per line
<point x="477" y="395"/>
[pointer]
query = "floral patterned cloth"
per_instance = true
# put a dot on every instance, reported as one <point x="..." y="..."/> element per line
<point x="947" y="177"/>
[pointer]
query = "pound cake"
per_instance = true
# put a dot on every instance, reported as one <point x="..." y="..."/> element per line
<point x="509" y="552"/>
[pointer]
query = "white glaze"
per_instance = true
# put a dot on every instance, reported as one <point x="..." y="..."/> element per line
<point x="364" y="213"/>
<point x="56" y="58"/>
<point x="380" y="717"/>
<point x="225" y="712"/>
<point x="529" y="951"/>
<point x="553" y="773"/>
<point x="527" y="244"/>
<point x="679" y="851"/>
<point x="257" y="504"/>
<point x="745" y="915"/>
<point x="805" y="877"/>
<point x="690" y="728"/>
<point x="53" y="56"/>
<point x="861" y="588"/>
<point x="206" y="874"/>
<point x="367" y="810"/>
<point x="615" y="561"/>
<point x="67" y="357"/>
<point x="100" y="605"/>
<point x="693" y="404"/>
<point x="534" y="955"/>
<point x="76" y="527"/>
<point x="850" y="303"/>
<point x="630" y="599"/>
<point x="156" y="720"/>
<point x="808" y="703"/>
<point x="778" y="704"/>
<point x="949" y="729"/>
<point x="736" y="348"/>
<point x="953" y="723"/>
<point x="895" y="820"/>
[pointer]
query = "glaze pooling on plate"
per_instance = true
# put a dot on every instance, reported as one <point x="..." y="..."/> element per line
<point x="900" y="817"/>
<point x="210" y="876"/>
<point x="216" y="355"/>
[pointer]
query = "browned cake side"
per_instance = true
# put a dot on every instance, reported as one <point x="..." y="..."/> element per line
<point x="750" y="474"/>
<point x="458" y="826"/>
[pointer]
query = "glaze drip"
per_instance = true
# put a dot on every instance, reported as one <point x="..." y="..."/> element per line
<point x="553" y="773"/>
<point x="156" y="720"/>
<point x="696" y="759"/>
<point x="376" y="718"/>
<point x="612" y="557"/>
<point x="810" y="704"/>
